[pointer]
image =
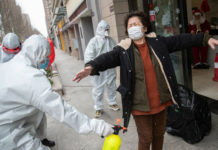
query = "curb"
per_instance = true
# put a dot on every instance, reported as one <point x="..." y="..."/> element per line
<point x="57" y="84"/>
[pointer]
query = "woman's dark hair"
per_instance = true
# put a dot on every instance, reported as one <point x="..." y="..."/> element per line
<point x="143" y="17"/>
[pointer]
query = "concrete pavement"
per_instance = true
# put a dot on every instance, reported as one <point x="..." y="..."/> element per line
<point x="79" y="95"/>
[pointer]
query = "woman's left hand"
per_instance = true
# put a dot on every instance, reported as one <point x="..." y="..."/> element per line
<point x="213" y="43"/>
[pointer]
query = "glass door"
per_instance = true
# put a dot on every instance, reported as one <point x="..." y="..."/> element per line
<point x="165" y="21"/>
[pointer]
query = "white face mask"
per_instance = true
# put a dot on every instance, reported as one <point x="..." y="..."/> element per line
<point x="135" y="33"/>
<point x="7" y="57"/>
<point x="106" y="33"/>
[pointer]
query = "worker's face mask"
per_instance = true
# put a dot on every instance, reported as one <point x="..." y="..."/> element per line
<point x="44" y="65"/>
<point x="7" y="57"/>
<point x="10" y="56"/>
<point x="135" y="32"/>
<point x="106" y="33"/>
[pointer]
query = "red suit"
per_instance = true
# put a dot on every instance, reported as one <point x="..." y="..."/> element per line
<point x="199" y="25"/>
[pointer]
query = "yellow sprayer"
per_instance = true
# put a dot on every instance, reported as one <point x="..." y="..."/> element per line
<point x="113" y="141"/>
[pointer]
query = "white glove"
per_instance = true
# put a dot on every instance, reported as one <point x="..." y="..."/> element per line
<point x="101" y="128"/>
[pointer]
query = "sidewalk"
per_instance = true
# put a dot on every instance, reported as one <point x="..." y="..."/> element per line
<point x="79" y="95"/>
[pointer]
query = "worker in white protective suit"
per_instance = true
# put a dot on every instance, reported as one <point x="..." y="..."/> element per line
<point x="10" y="47"/>
<point x="26" y="94"/>
<point x="98" y="45"/>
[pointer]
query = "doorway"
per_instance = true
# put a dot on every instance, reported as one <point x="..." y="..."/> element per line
<point x="81" y="55"/>
<point x="202" y="78"/>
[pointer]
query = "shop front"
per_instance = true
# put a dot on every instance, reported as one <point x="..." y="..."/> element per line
<point x="168" y="17"/>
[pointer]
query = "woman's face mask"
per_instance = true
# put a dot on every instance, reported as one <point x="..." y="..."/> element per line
<point x="135" y="32"/>
<point x="44" y="65"/>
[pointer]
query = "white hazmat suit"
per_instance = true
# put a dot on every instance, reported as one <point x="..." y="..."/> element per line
<point x="26" y="94"/>
<point x="98" y="45"/>
<point x="10" y="41"/>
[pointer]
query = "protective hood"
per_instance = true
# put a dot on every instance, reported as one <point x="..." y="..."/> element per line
<point x="11" y="41"/>
<point x="102" y="26"/>
<point x="35" y="49"/>
<point x="9" y="48"/>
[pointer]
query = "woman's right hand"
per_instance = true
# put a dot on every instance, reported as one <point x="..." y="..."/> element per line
<point x="82" y="74"/>
<point x="213" y="43"/>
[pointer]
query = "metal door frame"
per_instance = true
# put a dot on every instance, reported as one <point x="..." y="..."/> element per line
<point x="187" y="53"/>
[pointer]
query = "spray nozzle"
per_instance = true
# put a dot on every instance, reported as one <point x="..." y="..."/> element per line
<point x="117" y="127"/>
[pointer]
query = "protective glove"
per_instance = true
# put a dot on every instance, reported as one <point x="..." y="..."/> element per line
<point x="101" y="128"/>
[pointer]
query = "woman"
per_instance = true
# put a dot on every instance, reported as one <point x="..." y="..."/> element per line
<point x="147" y="79"/>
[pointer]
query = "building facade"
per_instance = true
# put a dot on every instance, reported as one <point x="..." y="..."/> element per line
<point x="56" y="19"/>
<point x="2" y="31"/>
<point x="83" y="17"/>
<point x="168" y="17"/>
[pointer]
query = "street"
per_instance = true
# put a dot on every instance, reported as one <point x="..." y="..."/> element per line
<point x="79" y="95"/>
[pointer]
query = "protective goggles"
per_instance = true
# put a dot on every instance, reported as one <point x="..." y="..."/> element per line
<point x="11" y="51"/>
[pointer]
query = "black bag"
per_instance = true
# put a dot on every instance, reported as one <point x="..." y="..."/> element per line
<point x="192" y="120"/>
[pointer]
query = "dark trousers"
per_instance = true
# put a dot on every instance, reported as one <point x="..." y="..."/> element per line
<point x="151" y="129"/>
<point x="200" y="54"/>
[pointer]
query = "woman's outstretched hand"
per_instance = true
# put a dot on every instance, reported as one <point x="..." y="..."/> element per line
<point x="82" y="74"/>
<point x="213" y="43"/>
